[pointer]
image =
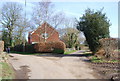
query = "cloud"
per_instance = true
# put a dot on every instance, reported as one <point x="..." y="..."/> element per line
<point x="68" y="13"/>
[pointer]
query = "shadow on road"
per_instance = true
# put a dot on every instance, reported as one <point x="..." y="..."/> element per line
<point x="62" y="55"/>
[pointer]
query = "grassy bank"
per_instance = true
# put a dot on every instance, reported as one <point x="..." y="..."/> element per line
<point x="7" y="71"/>
<point x="98" y="60"/>
<point x="69" y="52"/>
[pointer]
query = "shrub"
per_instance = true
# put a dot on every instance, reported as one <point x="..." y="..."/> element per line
<point x="53" y="46"/>
<point x="11" y="48"/>
<point x="18" y="48"/>
<point x="59" y="51"/>
<point x="29" y="48"/>
<point x="42" y="47"/>
<point x="21" y="48"/>
<point x="109" y="45"/>
<point x="100" y="53"/>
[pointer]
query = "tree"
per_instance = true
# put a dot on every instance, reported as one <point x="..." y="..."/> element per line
<point x="20" y="31"/>
<point x="44" y="12"/>
<point x="11" y="13"/>
<point x="71" y="37"/>
<point x="5" y="37"/>
<point x="95" y="25"/>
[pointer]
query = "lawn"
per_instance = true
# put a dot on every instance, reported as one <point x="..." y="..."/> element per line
<point x="7" y="71"/>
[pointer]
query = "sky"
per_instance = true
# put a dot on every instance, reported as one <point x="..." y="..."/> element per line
<point x="76" y="8"/>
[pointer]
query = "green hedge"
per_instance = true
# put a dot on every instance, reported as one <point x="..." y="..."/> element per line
<point x="21" y="48"/>
<point x="59" y="51"/>
<point x="29" y="48"/>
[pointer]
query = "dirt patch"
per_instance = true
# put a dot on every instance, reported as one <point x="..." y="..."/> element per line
<point x="22" y="73"/>
<point x="107" y="70"/>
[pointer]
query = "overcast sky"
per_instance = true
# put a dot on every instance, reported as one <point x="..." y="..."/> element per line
<point x="76" y="8"/>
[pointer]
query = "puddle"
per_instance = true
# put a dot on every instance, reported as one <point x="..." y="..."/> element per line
<point x="23" y="72"/>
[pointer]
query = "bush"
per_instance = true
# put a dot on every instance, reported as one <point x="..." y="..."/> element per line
<point x="29" y="48"/>
<point x="42" y="47"/>
<point x="59" y="51"/>
<point x="109" y="45"/>
<point x="11" y="48"/>
<point x="21" y="48"/>
<point x="52" y="47"/>
<point x="100" y="53"/>
<point x="18" y="48"/>
<point x="47" y="47"/>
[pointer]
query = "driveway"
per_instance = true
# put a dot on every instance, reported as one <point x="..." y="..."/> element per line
<point x="51" y="67"/>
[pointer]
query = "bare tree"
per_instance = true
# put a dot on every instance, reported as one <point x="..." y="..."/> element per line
<point x="70" y="35"/>
<point x="11" y="13"/>
<point x="20" y="30"/>
<point x="44" y="12"/>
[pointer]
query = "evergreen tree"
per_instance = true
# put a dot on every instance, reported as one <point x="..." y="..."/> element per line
<point x="95" y="25"/>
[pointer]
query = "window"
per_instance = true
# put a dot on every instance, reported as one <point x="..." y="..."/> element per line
<point x="45" y="35"/>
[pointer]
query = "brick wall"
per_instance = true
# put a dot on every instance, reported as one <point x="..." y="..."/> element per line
<point x="36" y="36"/>
<point x="1" y="46"/>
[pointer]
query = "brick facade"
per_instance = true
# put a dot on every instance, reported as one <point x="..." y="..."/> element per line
<point x="38" y="34"/>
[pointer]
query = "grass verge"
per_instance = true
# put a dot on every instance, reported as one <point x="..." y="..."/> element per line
<point x="7" y="71"/>
<point x="69" y="52"/>
<point x="98" y="60"/>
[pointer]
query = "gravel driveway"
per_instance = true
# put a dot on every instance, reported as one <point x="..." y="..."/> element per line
<point x="44" y="67"/>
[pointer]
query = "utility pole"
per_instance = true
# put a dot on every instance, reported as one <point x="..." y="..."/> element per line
<point x="24" y="25"/>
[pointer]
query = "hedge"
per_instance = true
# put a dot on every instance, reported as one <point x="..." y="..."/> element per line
<point x="29" y="48"/>
<point x="21" y="48"/>
<point x="44" y="47"/>
<point x="53" y="47"/>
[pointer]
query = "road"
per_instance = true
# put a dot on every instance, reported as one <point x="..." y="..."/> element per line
<point x="51" y="67"/>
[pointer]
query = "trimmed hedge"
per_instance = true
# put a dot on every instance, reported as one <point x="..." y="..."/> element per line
<point x="18" y="48"/>
<point x="44" y="47"/>
<point x="52" y="47"/>
<point x="21" y="48"/>
<point x="29" y="48"/>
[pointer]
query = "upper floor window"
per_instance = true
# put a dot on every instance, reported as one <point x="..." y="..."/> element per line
<point x="45" y="35"/>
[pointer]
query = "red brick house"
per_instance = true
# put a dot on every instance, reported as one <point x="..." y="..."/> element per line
<point x="45" y="32"/>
